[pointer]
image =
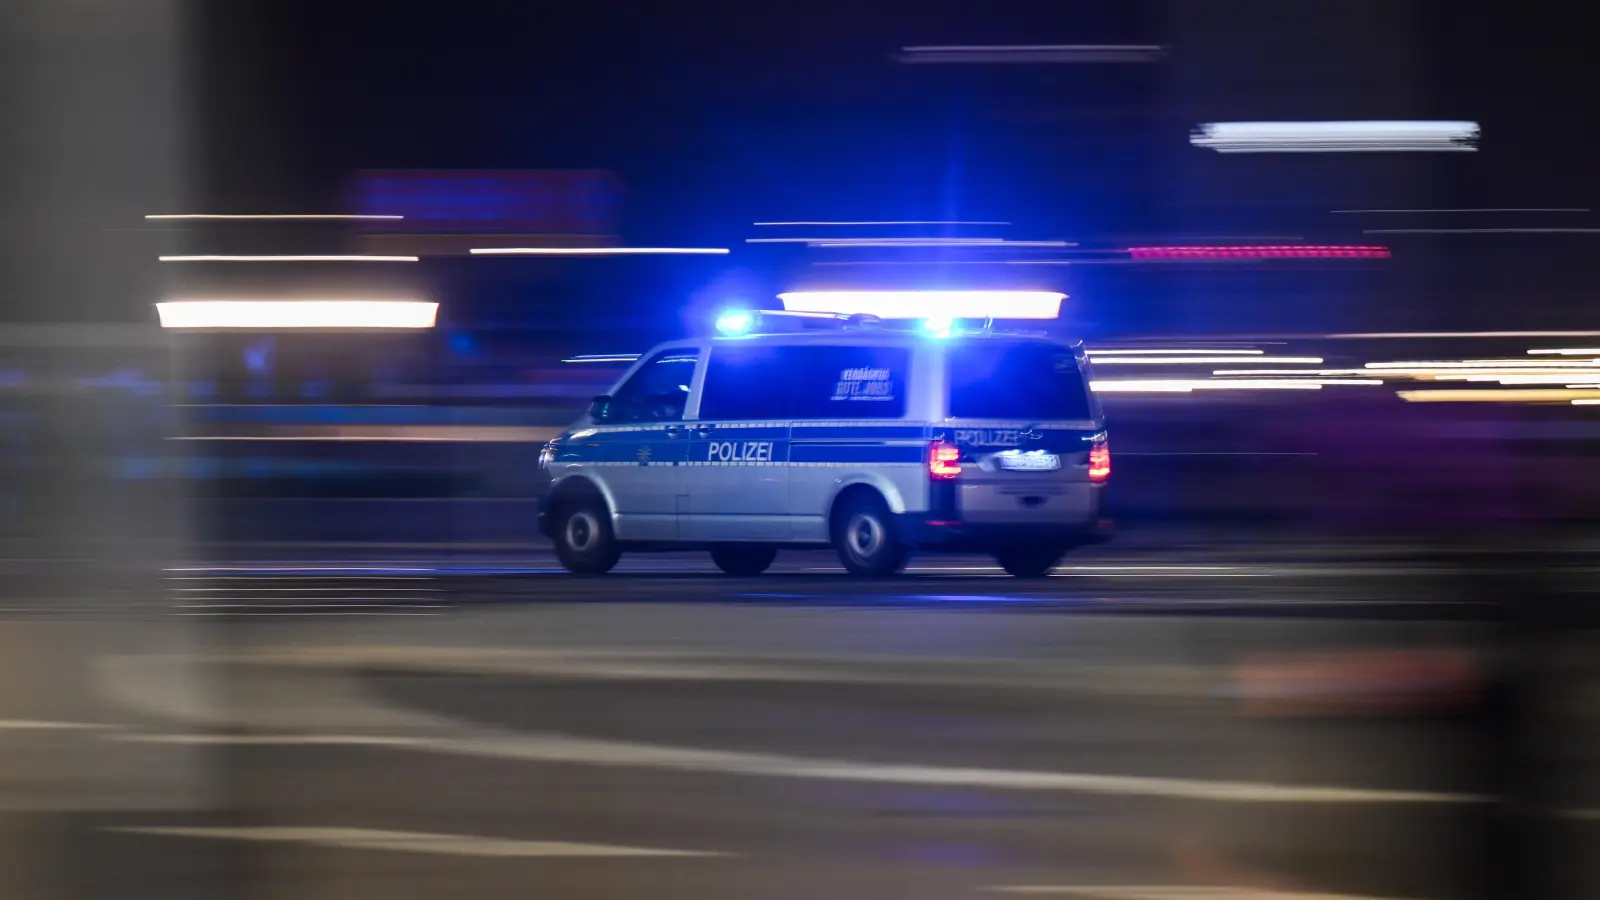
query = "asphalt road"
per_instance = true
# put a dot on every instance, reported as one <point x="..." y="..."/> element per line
<point x="412" y="726"/>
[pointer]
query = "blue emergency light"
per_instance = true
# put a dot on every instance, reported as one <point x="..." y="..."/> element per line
<point x="736" y="322"/>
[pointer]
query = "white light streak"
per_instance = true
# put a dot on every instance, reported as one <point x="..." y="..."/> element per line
<point x="603" y="358"/>
<point x="1486" y="364"/>
<point x="1335" y="137"/>
<point x="1185" y="385"/>
<point x="1561" y="378"/>
<point x="1179" y="351"/>
<point x="334" y="258"/>
<point x="297" y="314"/>
<point x="926" y="304"/>
<point x="595" y="251"/>
<point x="1567" y="351"/>
<point x="1324" y="373"/>
<point x="1490" y="395"/>
<point x="1187" y="360"/>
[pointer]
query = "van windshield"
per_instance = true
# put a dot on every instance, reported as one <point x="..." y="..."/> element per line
<point x="992" y="379"/>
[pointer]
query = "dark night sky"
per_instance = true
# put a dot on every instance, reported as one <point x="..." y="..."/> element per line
<point x="718" y="115"/>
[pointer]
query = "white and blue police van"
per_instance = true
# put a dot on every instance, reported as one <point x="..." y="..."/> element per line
<point x="807" y="429"/>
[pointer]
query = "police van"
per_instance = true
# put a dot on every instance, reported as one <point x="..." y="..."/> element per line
<point x="835" y="430"/>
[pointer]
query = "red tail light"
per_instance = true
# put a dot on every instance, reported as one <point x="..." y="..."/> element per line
<point x="944" y="460"/>
<point x="1099" y="462"/>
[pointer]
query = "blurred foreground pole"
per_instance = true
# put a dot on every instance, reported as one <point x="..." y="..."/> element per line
<point x="92" y="137"/>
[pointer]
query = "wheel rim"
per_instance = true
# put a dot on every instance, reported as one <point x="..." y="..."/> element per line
<point x="582" y="531"/>
<point x="864" y="536"/>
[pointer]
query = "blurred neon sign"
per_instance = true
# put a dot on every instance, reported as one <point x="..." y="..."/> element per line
<point x="455" y="201"/>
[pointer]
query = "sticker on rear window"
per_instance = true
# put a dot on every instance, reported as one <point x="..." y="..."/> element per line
<point x="864" y="384"/>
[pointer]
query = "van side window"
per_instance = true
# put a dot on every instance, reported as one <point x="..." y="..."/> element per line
<point x="747" y="381"/>
<point x="849" y="382"/>
<point x="658" y="392"/>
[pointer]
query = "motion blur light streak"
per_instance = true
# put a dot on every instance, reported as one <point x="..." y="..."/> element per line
<point x="1185" y="385"/>
<point x="1481" y="231"/>
<point x="335" y="258"/>
<point x="1490" y="395"/>
<point x="1410" y="335"/>
<point x="290" y="216"/>
<point x="1180" y="360"/>
<point x="1567" y="351"/>
<point x="1561" y="377"/>
<point x="855" y="224"/>
<point x="926" y="304"/>
<point x="1175" y="352"/>
<point x="603" y="358"/>
<point x="1040" y="53"/>
<point x="1283" y="251"/>
<point x="879" y="240"/>
<point x="1487" y="364"/>
<point x="1335" y="137"/>
<point x="1480" y="210"/>
<point x="297" y="314"/>
<point x="592" y="251"/>
<point x="935" y="242"/>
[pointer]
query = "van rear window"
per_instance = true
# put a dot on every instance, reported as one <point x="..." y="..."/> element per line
<point x="992" y="379"/>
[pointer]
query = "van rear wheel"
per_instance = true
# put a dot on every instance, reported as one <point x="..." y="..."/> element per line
<point x="1029" y="560"/>
<point x="584" y="541"/>
<point x="745" y="560"/>
<point x="866" y="539"/>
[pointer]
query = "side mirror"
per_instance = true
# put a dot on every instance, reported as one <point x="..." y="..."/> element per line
<point x="600" y="408"/>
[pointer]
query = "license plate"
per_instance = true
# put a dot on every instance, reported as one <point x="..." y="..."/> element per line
<point x="1030" y="462"/>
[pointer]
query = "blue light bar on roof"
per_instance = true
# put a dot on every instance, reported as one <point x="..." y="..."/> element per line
<point x="929" y="304"/>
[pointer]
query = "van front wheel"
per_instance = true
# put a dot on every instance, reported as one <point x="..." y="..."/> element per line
<point x="866" y="539"/>
<point x="584" y="541"/>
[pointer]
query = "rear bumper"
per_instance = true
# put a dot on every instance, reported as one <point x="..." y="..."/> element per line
<point x="934" y="534"/>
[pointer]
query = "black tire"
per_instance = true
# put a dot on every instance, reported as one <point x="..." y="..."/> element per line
<point x="584" y="541"/>
<point x="1029" y="560"/>
<point x="866" y="538"/>
<point x="745" y="560"/>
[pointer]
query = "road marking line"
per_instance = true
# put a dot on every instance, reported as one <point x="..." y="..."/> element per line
<point x="309" y="613"/>
<point x="331" y="604"/>
<point x="551" y="748"/>
<point x="1169" y="892"/>
<point x="688" y="666"/>
<point x="41" y="725"/>
<point x="413" y="842"/>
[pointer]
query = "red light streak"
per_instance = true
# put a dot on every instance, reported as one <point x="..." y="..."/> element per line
<point x="1285" y="251"/>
